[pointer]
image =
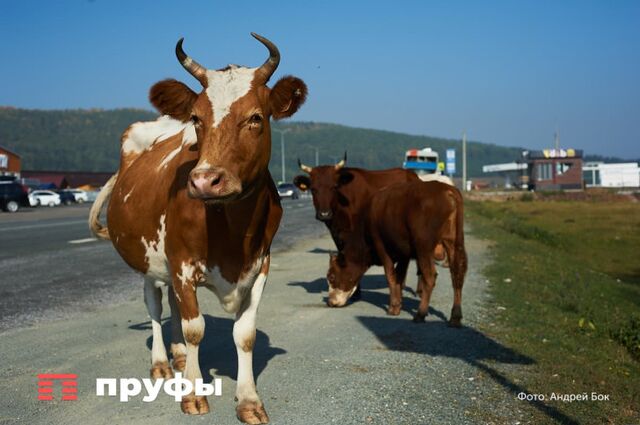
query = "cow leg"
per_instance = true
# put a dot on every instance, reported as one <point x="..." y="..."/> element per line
<point x="428" y="279"/>
<point x="250" y="409"/>
<point x="178" y="347"/>
<point x="457" y="268"/>
<point x="395" y="287"/>
<point x="419" y="284"/>
<point x="192" y="330"/>
<point x="153" y="300"/>
<point x="401" y="271"/>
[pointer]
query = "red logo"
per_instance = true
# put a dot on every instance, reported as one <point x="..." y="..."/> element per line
<point x="68" y="382"/>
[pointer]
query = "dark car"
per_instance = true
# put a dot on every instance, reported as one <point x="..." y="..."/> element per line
<point x="288" y="190"/>
<point x="66" y="197"/>
<point x="13" y="195"/>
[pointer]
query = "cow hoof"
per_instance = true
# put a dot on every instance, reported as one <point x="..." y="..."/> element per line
<point x="194" y="405"/>
<point x="252" y="412"/>
<point x="394" y="310"/>
<point x="418" y="318"/>
<point x="161" y="370"/>
<point x="179" y="363"/>
<point x="455" y="322"/>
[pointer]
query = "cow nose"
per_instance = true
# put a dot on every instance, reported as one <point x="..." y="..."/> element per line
<point x="208" y="183"/>
<point x="324" y="215"/>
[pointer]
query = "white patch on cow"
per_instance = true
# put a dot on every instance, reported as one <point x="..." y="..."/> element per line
<point x="143" y="135"/>
<point x="186" y="274"/>
<point x="193" y="326"/>
<point x="128" y="194"/>
<point x="169" y="157"/>
<point x="154" y="254"/>
<point x="153" y="300"/>
<point x="340" y="297"/>
<point x="436" y="178"/>
<point x="226" y="87"/>
<point x="189" y="136"/>
<point x="231" y="294"/>
<point x="244" y="331"/>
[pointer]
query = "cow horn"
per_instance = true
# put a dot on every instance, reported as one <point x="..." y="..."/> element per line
<point x="340" y="164"/>
<point x="192" y="67"/>
<point x="303" y="167"/>
<point x="268" y="68"/>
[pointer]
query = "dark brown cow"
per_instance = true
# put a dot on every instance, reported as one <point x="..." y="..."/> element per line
<point x="405" y="221"/>
<point x="193" y="204"/>
<point x="339" y="193"/>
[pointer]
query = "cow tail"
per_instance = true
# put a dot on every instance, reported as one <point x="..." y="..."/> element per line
<point x="97" y="228"/>
<point x="459" y="268"/>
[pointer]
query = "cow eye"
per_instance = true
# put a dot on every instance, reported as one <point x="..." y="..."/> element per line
<point x="195" y="120"/>
<point x="255" y="119"/>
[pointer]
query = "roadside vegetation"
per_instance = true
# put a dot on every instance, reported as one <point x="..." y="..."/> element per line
<point x="565" y="285"/>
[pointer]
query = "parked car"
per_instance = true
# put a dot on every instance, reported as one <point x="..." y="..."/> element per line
<point x="44" y="197"/>
<point x="288" y="190"/>
<point x="66" y="197"/>
<point x="13" y="195"/>
<point x="79" y="195"/>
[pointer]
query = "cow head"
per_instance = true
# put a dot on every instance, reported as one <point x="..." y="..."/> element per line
<point x="231" y="119"/>
<point x="323" y="181"/>
<point x="343" y="277"/>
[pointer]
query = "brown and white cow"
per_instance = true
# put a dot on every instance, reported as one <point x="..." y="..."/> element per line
<point x="404" y="221"/>
<point x="193" y="204"/>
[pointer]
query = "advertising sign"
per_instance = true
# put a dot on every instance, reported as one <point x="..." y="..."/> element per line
<point x="451" y="161"/>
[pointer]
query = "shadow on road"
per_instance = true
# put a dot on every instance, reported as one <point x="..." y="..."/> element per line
<point x="217" y="349"/>
<point x="437" y="338"/>
<point x="368" y="284"/>
<point x="467" y="344"/>
<point x="321" y="251"/>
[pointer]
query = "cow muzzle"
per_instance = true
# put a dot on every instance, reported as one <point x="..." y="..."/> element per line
<point x="338" y="297"/>
<point x="324" y="215"/>
<point x="215" y="184"/>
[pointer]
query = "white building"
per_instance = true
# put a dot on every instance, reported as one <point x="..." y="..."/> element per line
<point x="599" y="174"/>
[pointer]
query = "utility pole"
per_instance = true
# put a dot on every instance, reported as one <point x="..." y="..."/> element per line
<point x="464" y="161"/>
<point x="282" y="133"/>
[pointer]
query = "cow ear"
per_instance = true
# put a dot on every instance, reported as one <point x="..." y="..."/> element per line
<point x="173" y="98"/>
<point x="302" y="182"/>
<point x="287" y="96"/>
<point x="344" y="177"/>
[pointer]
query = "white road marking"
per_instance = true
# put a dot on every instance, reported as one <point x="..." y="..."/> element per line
<point x="83" y="240"/>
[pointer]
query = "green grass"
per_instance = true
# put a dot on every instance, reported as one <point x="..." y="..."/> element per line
<point x="572" y="294"/>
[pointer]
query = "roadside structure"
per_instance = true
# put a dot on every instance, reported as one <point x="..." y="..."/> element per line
<point x="10" y="163"/>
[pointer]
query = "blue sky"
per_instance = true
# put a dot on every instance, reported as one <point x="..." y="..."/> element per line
<point x="507" y="72"/>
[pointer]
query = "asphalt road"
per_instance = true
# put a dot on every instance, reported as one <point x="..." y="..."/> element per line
<point x="76" y="308"/>
<point x="52" y="267"/>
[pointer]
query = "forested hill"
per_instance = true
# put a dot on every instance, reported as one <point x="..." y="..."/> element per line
<point x="89" y="140"/>
<point x="67" y="140"/>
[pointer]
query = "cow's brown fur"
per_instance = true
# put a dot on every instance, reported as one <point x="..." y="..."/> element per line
<point x="173" y="98"/>
<point x="343" y="192"/>
<point x="407" y="221"/>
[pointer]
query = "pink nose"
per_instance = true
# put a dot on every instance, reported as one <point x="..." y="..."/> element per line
<point x="208" y="183"/>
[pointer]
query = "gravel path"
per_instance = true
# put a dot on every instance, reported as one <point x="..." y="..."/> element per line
<point x="315" y="365"/>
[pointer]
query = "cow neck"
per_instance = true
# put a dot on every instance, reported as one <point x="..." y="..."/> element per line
<point x="243" y="216"/>
<point x="357" y="248"/>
